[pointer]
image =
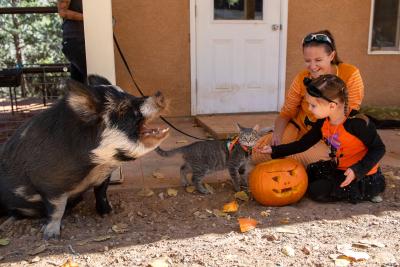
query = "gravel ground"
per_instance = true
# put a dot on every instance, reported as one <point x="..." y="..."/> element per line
<point x="188" y="230"/>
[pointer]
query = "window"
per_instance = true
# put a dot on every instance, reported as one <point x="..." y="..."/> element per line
<point x="385" y="27"/>
<point x="238" y="9"/>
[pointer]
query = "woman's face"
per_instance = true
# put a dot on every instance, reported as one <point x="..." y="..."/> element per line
<point x="318" y="61"/>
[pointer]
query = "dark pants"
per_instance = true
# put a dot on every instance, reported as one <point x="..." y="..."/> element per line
<point x="74" y="50"/>
<point x="324" y="186"/>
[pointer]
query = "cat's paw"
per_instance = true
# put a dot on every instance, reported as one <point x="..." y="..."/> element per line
<point x="201" y="189"/>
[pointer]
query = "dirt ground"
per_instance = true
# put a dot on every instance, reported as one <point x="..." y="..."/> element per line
<point x="186" y="230"/>
<point x="158" y="228"/>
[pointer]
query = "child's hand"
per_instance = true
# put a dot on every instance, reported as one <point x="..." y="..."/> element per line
<point x="350" y="176"/>
<point x="265" y="149"/>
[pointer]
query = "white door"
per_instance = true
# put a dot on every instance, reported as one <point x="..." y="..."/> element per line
<point x="237" y="55"/>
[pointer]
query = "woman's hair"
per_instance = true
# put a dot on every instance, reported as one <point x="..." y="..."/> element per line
<point x="329" y="45"/>
<point x="332" y="87"/>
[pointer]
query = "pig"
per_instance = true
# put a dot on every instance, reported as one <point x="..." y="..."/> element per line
<point x="56" y="156"/>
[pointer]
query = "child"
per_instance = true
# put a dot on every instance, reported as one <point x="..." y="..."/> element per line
<point x="353" y="173"/>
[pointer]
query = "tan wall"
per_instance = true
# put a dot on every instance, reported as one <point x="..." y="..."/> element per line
<point x="349" y="23"/>
<point x="154" y="37"/>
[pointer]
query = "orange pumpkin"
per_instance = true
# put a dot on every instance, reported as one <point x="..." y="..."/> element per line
<point x="278" y="182"/>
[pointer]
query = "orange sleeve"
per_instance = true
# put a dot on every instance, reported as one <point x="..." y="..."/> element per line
<point x="355" y="87"/>
<point x="293" y="99"/>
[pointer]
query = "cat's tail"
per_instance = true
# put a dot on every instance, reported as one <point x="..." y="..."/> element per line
<point x="169" y="153"/>
<point x="385" y="124"/>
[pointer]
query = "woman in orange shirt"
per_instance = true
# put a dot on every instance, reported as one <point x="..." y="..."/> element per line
<point x="352" y="173"/>
<point x="320" y="57"/>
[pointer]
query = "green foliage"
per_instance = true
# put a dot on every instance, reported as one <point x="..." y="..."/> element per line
<point x="29" y="39"/>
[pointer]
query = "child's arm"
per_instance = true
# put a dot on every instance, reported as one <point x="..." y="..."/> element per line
<point x="366" y="132"/>
<point x="308" y="140"/>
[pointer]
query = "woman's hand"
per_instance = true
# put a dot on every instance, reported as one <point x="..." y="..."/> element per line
<point x="276" y="138"/>
<point x="279" y="127"/>
<point x="265" y="149"/>
<point x="350" y="176"/>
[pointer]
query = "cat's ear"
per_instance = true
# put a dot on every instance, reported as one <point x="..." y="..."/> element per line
<point x="239" y="127"/>
<point x="256" y="128"/>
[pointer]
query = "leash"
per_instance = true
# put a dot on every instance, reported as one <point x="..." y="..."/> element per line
<point x="140" y="91"/>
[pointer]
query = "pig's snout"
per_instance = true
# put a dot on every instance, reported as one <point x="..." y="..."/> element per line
<point x="160" y="100"/>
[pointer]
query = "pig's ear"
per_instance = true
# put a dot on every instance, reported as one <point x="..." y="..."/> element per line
<point x="82" y="100"/>
<point x="94" y="80"/>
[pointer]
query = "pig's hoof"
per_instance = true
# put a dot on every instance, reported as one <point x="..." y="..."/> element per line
<point x="103" y="208"/>
<point x="52" y="231"/>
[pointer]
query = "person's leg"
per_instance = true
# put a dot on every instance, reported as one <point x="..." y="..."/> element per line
<point x="317" y="152"/>
<point x="372" y="185"/>
<point x="74" y="50"/>
<point x="320" y="190"/>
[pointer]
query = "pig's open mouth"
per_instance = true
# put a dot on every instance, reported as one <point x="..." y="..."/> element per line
<point x="146" y="131"/>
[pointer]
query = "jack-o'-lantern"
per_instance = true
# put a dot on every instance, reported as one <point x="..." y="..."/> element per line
<point x="278" y="182"/>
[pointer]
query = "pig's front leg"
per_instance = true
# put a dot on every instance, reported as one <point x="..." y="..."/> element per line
<point x="100" y="192"/>
<point x="55" y="208"/>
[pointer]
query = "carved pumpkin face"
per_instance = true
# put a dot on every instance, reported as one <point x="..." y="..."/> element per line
<point x="278" y="182"/>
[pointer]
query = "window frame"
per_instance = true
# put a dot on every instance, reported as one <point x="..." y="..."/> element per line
<point x="371" y="24"/>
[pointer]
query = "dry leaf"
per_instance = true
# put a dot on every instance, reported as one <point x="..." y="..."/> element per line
<point x="83" y="242"/>
<point x="287" y="230"/>
<point x="101" y="238"/>
<point x="35" y="259"/>
<point x="372" y="243"/>
<point x="172" y="192"/>
<point x="37" y="250"/>
<point x="161" y="262"/>
<point x="306" y="250"/>
<point x="145" y="192"/>
<point x="246" y="224"/>
<point x="342" y="262"/>
<point x="158" y="175"/>
<point x="4" y="241"/>
<point x="231" y="207"/>
<point x="190" y="189"/>
<point x="242" y="195"/>
<point x="265" y="213"/>
<point x="120" y="228"/>
<point x="219" y="213"/>
<point x="285" y="221"/>
<point x="355" y="255"/>
<point x="70" y="263"/>
<point x="288" y="251"/>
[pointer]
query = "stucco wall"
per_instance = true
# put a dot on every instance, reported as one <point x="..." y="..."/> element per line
<point x="154" y="37"/>
<point x="349" y="23"/>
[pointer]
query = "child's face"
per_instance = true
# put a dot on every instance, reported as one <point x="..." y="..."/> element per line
<point x="319" y="107"/>
<point x="318" y="61"/>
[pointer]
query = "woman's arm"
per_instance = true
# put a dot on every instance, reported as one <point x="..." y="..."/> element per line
<point x="290" y="109"/>
<point x="355" y="87"/>
<point x="65" y="13"/>
<point x="279" y="127"/>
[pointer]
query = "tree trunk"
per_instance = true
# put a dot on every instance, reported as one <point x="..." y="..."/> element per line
<point x="17" y="46"/>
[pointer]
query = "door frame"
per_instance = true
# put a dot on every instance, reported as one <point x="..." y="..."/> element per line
<point x="282" y="55"/>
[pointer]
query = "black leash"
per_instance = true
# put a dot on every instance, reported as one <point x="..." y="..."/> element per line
<point x="140" y="91"/>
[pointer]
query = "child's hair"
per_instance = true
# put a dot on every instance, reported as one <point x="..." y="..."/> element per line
<point x="332" y="87"/>
<point x="329" y="46"/>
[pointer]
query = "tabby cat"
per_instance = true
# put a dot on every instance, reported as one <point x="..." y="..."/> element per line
<point x="205" y="157"/>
